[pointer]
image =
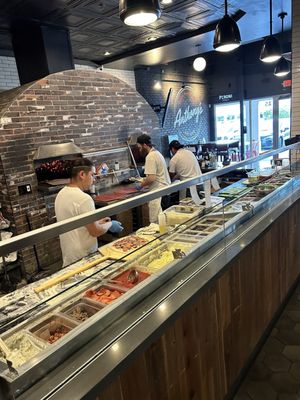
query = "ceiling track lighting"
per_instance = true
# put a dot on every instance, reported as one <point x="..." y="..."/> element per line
<point x="282" y="67"/>
<point x="227" y="35"/>
<point x="139" y="12"/>
<point x="271" y="50"/>
<point x="199" y="63"/>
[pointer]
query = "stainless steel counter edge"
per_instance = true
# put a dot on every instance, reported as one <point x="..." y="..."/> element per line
<point x="38" y="235"/>
<point x="89" y="369"/>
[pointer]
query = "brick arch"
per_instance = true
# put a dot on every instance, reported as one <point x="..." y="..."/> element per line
<point x="95" y="109"/>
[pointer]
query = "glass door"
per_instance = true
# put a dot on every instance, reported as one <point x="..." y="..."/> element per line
<point x="227" y="121"/>
<point x="284" y="117"/>
<point x="265" y="124"/>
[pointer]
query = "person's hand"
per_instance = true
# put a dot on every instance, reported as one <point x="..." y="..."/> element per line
<point x="138" y="186"/>
<point x="116" y="227"/>
<point x="104" y="220"/>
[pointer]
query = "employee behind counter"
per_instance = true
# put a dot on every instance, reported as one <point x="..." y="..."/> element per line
<point x="71" y="201"/>
<point x="157" y="175"/>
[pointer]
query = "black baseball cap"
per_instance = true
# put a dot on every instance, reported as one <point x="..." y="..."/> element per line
<point x="175" y="144"/>
<point x="144" y="139"/>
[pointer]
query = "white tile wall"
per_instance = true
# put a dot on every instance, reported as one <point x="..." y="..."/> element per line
<point x="9" y="77"/>
<point x="126" y="76"/>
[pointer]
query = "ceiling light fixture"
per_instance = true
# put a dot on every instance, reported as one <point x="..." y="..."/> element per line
<point x="166" y="2"/>
<point x="199" y="63"/>
<point x="270" y="51"/>
<point x="282" y="68"/>
<point x="227" y="35"/>
<point x="139" y="12"/>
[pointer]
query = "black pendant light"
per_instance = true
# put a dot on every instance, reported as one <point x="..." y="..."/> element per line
<point x="283" y="66"/>
<point x="271" y="50"/>
<point x="139" y="12"/>
<point x="227" y="34"/>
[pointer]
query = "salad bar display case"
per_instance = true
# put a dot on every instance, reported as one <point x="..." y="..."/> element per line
<point x="69" y="328"/>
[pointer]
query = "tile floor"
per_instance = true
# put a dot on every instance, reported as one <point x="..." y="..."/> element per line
<point x="275" y="373"/>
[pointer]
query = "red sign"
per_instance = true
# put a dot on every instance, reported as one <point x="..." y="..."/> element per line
<point x="287" y="83"/>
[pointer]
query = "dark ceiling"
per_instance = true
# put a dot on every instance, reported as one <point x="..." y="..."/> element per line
<point x="95" y="27"/>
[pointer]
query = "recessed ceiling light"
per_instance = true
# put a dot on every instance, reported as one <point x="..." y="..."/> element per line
<point x="152" y="38"/>
<point x="107" y="53"/>
<point x="166" y="1"/>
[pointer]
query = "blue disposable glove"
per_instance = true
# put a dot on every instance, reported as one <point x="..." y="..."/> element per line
<point x="116" y="227"/>
<point x="138" y="186"/>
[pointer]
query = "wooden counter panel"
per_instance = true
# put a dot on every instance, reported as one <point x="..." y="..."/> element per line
<point x="200" y="355"/>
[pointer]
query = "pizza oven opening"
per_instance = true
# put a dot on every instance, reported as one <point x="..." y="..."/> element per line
<point x="53" y="163"/>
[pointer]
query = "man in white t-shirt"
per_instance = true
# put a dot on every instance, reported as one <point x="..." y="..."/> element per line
<point x="156" y="172"/>
<point x="183" y="164"/>
<point x="71" y="201"/>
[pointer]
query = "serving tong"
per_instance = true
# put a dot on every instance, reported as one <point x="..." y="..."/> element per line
<point x="178" y="254"/>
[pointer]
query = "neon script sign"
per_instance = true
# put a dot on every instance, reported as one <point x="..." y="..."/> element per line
<point x="187" y="111"/>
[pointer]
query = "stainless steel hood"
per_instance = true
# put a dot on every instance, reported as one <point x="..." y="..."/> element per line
<point x="56" y="150"/>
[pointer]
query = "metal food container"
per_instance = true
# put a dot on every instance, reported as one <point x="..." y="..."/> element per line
<point x="142" y="275"/>
<point x="82" y="306"/>
<point x="179" y="214"/>
<point x="51" y="325"/>
<point x="110" y="287"/>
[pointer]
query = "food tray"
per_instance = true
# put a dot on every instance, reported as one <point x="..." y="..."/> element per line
<point x="163" y="256"/>
<point x="121" y="277"/>
<point x="111" y="251"/>
<point x="91" y="294"/>
<point x="23" y="346"/>
<point x="82" y="306"/>
<point x="183" y="238"/>
<point x="179" y="214"/>
<point x="47" y="327"/>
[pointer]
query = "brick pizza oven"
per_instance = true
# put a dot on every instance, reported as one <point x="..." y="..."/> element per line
<point x="92" y="108"/>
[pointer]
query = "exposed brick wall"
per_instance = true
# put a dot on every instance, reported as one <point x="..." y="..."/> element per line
<point x="296" y="77"/>
<point x="93" y="108"/>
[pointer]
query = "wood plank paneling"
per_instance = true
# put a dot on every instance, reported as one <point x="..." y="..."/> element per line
<point x="200" y="356"/>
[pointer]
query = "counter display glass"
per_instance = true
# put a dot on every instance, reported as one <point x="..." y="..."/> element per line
<point x="44" y="323"/>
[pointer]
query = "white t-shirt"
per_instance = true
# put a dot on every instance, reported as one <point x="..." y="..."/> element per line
<point x="156" y="165"/>
<point x="184" y="164"/>
<point x="78" y="243"/>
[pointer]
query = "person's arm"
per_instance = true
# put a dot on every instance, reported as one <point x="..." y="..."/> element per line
<point x="172" y="169"/>
<point x="96" y="228"/>
<point x="148" y="180"/>
<point x="100" y="227"/>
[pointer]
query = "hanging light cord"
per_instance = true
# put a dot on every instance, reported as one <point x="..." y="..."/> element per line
<point x="226" y="8"/>
<point x="271" y="22"/>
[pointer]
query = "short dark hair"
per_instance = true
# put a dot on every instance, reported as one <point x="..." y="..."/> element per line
<point x="81" y="164"/>
<point x="175" y="144"/>
<point x="144" y="139"/>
